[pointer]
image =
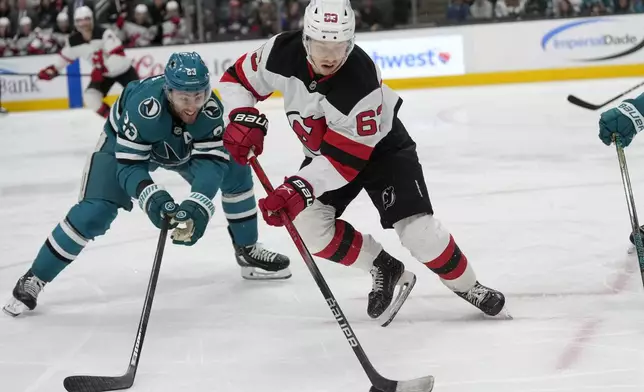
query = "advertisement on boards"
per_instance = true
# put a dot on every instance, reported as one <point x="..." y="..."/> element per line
<point x="417" y="57"/>
<point x="19" y="80"/>
<point x="595" y="39"/>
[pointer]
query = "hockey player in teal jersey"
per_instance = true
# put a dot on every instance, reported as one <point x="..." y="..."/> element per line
<point x="621" y="124"/>
<point x="173" y="121"/>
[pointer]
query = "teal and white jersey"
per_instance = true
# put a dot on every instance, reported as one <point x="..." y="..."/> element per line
<point x="145" y="134"/>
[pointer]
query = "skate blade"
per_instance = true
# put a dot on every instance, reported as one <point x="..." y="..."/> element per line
<point x="254" y="273"/>
<point x="405" y="284"/>
<point x="14" y="308"/>
<point x="504" y="314"/>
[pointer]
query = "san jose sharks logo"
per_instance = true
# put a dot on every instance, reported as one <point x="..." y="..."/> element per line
<point x="212" y="110"/>
<point x="149" y="108"/>
<point x="165" y="155"/>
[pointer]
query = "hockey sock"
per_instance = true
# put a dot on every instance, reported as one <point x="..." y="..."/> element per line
<point x="350" y="247"/>
<point x="61" y="248"/>
<point x="84" y="221"/>
<point x="241" y="212"/>
<point x="431" y="244"/>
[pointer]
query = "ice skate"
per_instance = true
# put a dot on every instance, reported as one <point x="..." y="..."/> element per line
<point x="387" y="274"/>
<point x="259" y="263"/>
<point x="488" y="300"/>
<point x="25" y="295"/>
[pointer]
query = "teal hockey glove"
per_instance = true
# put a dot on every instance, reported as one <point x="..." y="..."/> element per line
<point x="191" y="219"/>
<point x="157" y="203"/>
<point x="624" y="121"/>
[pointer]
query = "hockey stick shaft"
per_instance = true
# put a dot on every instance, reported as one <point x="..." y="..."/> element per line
<point x="580" y="102"/>
<point x="632" y="211"/>
<point x="377" y="380"/>
<point x="100" y="383"/>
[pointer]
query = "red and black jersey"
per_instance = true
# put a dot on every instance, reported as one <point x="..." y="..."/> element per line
<point x="338" y="118"/>
<point x="104" y="51"/>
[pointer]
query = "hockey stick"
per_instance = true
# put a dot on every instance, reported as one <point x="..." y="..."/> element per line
<point x="579" y="102"/>
<point x="106" y="383"/>
<point x="630" y="201"/>
<point x="423" y="384"/>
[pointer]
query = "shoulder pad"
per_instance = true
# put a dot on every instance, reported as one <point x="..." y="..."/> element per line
<point x="212" y="108"/>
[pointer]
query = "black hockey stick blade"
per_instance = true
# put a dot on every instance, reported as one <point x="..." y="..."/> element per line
<point x="98" y="383"/>
<point x="581" y="103"/>
<point x="587" y="105"/>
<point x="424" y="384"/>
<point x="105" y="383"/>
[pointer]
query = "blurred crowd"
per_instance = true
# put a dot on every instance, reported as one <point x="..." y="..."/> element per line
<point x="30" y="27"/>
<point x="42" y="26"/>
<point x="473" y="10"/>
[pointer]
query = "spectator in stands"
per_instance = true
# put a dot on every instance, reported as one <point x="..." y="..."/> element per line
<point x="509" y="8"/>
<point x="638" y="6"/>
<point x="293" y="20"/>
<point x="538" y="8"/>
<point x="622" y="7"/>
<point x="371" y="15"/>
<point x="457" y="11"/>
<point x="61" y="30"/>
<point x="157" y="11"/>
<point x="5" y="9"/>
<point x="564" y="9"/>
<point x="265" y="22"/>
<point x="47" y="13"/>
<point x="7" y="44"/>
<point x="73" y="4"/>
<point x="596" y="7"/>
<point x="25" y="36"/>
<point x="174" y="27"/>
<point x="236" y="25"/>
<point x="141" y="32"/>
<point x="22" y="10"/>
<point x="482" y="9"/>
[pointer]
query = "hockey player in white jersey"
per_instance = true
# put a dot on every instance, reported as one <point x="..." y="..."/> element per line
<point x="347" y="121"/>
<point x="103" y="50"/>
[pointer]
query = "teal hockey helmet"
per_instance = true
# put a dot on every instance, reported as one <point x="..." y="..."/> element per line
<point x="186" y="71"/>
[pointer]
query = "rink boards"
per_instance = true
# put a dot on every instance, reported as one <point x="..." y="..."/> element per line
<point x="513" y="52"/>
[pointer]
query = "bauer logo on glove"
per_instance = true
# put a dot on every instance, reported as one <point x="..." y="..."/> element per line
<point x="259" y="120"/>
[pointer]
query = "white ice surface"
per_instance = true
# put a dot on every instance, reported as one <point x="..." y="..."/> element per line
<point x="517" y="174"/>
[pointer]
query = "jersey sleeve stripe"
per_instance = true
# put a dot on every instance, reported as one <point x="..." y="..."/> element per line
<point x="236" y="74"/>
<point x="208" y="145"/>
<point x="131" y="157"/>
<point x="347" y="172"/>
<point x="66" y="58"/>
<point x="132" y="145"/>
<point x="216" y="153"/>
<point x="358" y="150"/>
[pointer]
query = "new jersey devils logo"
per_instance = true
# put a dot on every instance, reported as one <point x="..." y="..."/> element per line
<point x="388" y="197"/>
<point x="310" y="130"/>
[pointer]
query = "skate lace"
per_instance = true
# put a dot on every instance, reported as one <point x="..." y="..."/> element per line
<point x="477" y="295"/>
<point x="378" y="280"/>
<point x="261" y="253"/>
<point x="33" y="286"/>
